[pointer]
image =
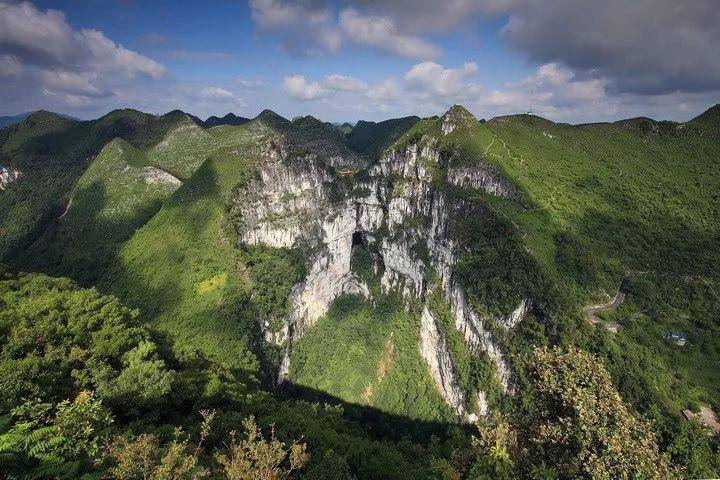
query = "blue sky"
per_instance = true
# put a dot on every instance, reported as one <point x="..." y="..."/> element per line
<point x="567" y="60"/>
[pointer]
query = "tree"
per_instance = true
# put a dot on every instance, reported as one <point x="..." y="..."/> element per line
<point x="581" y="425"/>
<point x="257" y="458"/>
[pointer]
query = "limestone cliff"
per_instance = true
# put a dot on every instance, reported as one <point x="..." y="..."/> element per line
<point x="301" y="200"/>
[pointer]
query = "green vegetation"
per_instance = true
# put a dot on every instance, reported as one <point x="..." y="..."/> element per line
<point x="157" y="378"/>
<point x="88" y="389"/>
<point x="52" y="152"/>
<point x="166" y="266"/>
<point x="369" y="355"/>
<point x="370" y="139"/>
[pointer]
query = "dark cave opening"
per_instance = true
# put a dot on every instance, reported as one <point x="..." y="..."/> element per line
<point x="359" y="239"/>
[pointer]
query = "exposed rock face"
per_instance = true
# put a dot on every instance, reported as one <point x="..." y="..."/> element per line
<point x="301" y="200"/>
<point x="483" y="177"/>
<point x="435" y="352"/>
<point x="156" y="176"/>
<point x="7" y="176"/>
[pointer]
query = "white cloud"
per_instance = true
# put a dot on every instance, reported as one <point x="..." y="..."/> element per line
<point x="300" y="89"/>
<point x="385" y="90"/>
<point x="381" y="33"/>
<point x="44" y="59"/>
<point x="248" y="83"/>
<point x="437" y="80"/>
<point x="300" y="24"/>
<point x="67" y="99"/>
<point x="216" y="92"/>
<point x="10" y="66"/>
<point x="45" y="39"/>
<point x="344" y="84"/>
<point x="276" y="13"/>
<point x="553" y="91"/>
<point x="71" y="82"/>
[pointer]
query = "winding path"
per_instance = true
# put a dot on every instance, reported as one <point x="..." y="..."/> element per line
<point x="610" y="304"/>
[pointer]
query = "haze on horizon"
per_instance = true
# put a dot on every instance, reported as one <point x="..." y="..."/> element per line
<point x="574" y="61"/>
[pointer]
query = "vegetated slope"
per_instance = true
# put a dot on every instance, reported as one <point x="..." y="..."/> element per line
<point x="368" y="355"/>
<point x="229" y="119"/>
<point x="52" y="152"/>
<point x="371" y="139"/>
<point x="118" y="193"/>
<point x="75" y="358"/>
<point x="635" y="199"/>
<point x="183" y="269"/>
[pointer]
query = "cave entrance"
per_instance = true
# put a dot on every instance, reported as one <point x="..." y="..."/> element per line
<point x="359" y="240"/>
<point x="366" y="260"/>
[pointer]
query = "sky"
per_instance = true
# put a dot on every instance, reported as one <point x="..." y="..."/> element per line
<point x="344" y="60"/>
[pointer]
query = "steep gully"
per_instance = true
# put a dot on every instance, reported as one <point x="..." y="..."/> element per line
<point x="292" y="201"/>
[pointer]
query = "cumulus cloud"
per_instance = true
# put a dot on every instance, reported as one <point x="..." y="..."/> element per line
<point x="303" y="26"/>
<point x="248" y="83"/>
<point x="45" y="39"/>
<point x="432" y="16"/>
<point x="552" y="91"/>
<point x="216" y="92"/>
<point x="386" y="90"/>
<point x="300" y="89"/>
<point x="42" y="56"/>
<point x="342" y="83"/>
<point x="435" y="79"/>
<point x="645" y="46"/>
<point x="382" y="34"/>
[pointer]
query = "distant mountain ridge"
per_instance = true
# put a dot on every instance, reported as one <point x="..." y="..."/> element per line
<point x="12" y="119"/>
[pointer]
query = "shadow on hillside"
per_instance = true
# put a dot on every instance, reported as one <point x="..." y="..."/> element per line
<point x="80" y="244"/>
<point x="375" y="422"/>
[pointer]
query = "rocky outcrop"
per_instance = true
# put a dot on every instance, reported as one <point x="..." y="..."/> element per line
<point x="483" y="177"/>
<point x="155" y="176"/>
<point x="8" y="175"/>
<point x="300" y="200"/>
<point x="442" y="368"/>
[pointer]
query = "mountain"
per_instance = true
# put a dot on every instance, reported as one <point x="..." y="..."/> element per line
<point x="12" y="119"/>
<point x="371" y="139"/>
<point x="344" y="127"/>
<point x="51" y="152"/>
<point x="9" y="120"/>
<point x="229" y="119"/>
<point x="396" y="296"/>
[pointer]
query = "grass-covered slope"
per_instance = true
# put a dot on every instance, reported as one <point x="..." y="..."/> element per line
<point x="369" y="356"/>
<point x="635" y="200"/>
<point x="52" y="152"/>
<point x="117" y="194"/>
<point x="183" y="268"/>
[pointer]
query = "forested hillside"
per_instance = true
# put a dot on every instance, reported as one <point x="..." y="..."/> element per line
<point x="418" y="298"/>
